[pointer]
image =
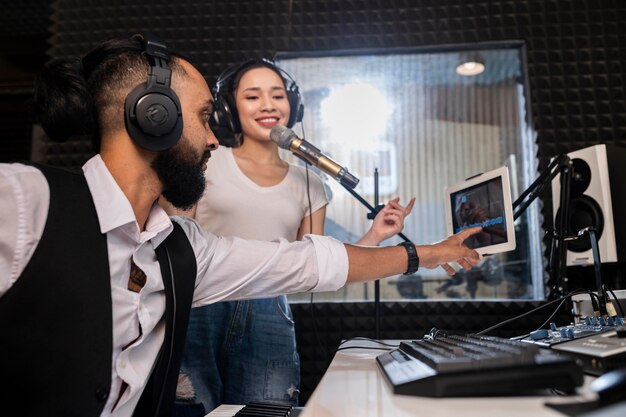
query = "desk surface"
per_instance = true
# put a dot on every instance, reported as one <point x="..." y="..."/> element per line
<point x="354" y="386"/>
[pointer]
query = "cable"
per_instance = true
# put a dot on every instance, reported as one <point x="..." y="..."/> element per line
<point x="308" y="188"/>
<point x="575" y="292"/>
<point x="308" y="194"/>
<point x="619" y="305"/>
<point x="549" y="319"/>
<point x="594" y="302"/>
<point x="609" y="305"/>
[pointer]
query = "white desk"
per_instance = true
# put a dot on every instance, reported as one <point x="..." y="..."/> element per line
<point x="354" y="386"/>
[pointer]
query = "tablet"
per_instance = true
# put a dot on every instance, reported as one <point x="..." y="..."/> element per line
<point x="483" y="200"/>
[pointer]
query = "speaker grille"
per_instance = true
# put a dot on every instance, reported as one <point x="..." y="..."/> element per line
<point x="583" y="211"/>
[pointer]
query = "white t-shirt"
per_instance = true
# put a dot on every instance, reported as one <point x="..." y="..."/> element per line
<point x="253" y="211"/>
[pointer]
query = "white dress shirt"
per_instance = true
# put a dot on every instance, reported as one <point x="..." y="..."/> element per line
<point x="228" y="268"/>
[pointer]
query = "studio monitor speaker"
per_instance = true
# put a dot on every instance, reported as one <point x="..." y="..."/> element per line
<point x="598" y="199"/>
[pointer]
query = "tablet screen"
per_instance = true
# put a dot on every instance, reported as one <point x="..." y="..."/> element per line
<point x="484" y="201"/>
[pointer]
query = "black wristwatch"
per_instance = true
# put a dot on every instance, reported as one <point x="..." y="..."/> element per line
<point x="414" y="260"/>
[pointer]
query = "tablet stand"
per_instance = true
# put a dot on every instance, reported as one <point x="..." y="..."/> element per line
<point x="558" y="240"/>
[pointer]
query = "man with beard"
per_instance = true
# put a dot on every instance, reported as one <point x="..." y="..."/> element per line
<point x="96" y="281"/>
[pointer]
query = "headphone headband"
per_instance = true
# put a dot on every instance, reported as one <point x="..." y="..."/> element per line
<point x="153" y="113"/>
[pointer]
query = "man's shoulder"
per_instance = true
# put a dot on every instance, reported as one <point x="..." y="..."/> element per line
<point x="30" y="169"/>
<point x="201" y="241"/>
<point x="190" y="226"/>
<point x="21" y="173"/>
<point x="16" y="168"/>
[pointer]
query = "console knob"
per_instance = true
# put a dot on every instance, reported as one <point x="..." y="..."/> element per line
<point x="538" y="334"/>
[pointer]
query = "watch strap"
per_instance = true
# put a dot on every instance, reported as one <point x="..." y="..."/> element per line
<point x="414" y="260"/>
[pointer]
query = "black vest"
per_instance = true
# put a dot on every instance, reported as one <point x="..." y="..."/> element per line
<point x="56" y="320"/>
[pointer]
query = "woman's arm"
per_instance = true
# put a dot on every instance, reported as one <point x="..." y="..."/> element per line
<point x="388" y="222"/>
<point x="314" y="228"/>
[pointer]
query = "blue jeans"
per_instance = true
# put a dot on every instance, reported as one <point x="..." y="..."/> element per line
<point x="237" y="352"/>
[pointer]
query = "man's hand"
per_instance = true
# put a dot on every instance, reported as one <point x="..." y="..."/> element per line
<point x="449" y="250"/>
<point x="368" y="263"/>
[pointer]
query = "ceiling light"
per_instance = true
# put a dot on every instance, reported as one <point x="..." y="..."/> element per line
<point x="470" y="68"/>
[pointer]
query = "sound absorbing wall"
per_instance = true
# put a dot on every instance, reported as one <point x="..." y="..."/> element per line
<point x="576" y="48"/>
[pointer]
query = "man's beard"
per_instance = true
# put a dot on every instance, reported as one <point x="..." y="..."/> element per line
<point x="182" y="174"/>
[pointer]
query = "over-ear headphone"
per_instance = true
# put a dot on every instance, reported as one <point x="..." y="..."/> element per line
<point x="225" y="119"/>
<point x="152" y="110"/>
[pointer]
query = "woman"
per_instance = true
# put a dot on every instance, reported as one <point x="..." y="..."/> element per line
<point x="245" y="351"/>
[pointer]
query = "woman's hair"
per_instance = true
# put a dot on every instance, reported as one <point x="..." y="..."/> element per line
<point x="85" y="96"/>
<point x="250" y="65"/>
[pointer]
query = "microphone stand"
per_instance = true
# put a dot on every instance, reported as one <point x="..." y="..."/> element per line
<point x="376" y="282"/>
<point x="371" y="215"/>
<point x="374" y="210"/>
<point x="560" y="165"/>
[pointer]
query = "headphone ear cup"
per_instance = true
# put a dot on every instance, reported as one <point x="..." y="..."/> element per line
<point x="297" y="108"/>
<point x="153" y="117"/>
<point x="232" y="116"/>
<point x="224" y="121"/>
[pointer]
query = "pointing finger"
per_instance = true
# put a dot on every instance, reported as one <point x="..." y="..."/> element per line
<point x="465" y="233"/>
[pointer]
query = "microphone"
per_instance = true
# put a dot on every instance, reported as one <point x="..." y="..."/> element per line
<point x="286" y="139"/>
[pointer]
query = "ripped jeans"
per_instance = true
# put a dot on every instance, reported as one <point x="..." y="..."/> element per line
<point x="237" y="352"/>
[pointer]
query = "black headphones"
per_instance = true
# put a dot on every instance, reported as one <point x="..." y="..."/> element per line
<point x="225" y="120"/>
<point x="152" y="110"/>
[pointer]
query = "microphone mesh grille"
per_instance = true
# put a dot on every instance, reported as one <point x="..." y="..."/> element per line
<point x="282" y="136"/>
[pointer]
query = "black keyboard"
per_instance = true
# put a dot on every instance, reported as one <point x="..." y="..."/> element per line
<point x="441" y="365"/>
